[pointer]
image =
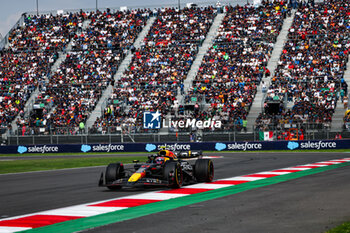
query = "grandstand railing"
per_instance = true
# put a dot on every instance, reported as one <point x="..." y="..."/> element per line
<point x="87" y="86"/>
<point x="306" y="127"/>
<point x="2" y="129"/>
<point x="137" y="127"/>
<point x="221" y="40"/>
<point x="123" y="128"/>
<point x="157" y="137"/>
<point x="347" y="126"/>
<point x="175" y="42"/>
<point x="299" y="79"/>
<point x="65" y="49"/>
<point x="326" y="36"/>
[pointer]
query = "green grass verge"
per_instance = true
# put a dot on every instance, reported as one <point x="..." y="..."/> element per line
<point x="344" y="228"/>
<point x="60" y="163"/>
<point x="15" y="166"/>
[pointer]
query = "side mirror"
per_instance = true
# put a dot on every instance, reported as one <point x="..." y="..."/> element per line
<point x="136" y="161"/>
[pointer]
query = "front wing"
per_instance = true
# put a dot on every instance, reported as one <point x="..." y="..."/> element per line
<point x="123" y="182"/>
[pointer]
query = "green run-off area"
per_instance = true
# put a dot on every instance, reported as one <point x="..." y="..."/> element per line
<point x="27" y="165"/>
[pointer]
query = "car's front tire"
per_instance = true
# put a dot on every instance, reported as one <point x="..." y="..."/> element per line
<point x="173" y="173"/>
<point x="114" y="171"/>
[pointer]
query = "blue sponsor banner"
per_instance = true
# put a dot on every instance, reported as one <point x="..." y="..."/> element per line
<point x="153" y="147"/>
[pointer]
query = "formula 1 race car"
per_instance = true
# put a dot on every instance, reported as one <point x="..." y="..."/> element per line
<point x="165" y="168"/>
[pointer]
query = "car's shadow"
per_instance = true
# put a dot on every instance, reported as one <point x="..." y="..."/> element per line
<point x="137" y="189"/>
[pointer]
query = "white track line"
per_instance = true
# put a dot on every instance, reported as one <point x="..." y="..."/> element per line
<point x="81" y="211"/>
<point x="243" y="178"/>
<point x="156" y="196"/>
<point x="208" y="186"/>
<point x="13" y="229"/>
<point x="273" y="173"/>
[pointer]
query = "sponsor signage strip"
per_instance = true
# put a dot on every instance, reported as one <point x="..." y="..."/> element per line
<point x="153" y="147"/>
<point x="85" y="216"/>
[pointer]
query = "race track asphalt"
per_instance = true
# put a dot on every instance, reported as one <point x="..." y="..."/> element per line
<point x="313" y="203"/>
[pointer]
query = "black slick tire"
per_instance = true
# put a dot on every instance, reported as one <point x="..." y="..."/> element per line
<point x="204" y="170"/>
<point x="114" y="171"/>
<point x="173" y="173"/>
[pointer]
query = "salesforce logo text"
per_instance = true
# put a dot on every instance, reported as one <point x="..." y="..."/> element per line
<point x="42" y="149"/>
<point x="318" y="145"/>
<point x="192" y="123"/>
<point x="107" y="148"/>
<point x="175" y="147"/>
<point x="244" y="146"/>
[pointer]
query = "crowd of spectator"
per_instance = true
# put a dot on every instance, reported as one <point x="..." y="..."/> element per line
<point x="309" y="73"/>
<point x="45" y="32"/>
<point x="20" y="73"/>
<point x="76" y="86"/>
<point x="111" y="30"/>
<point x="159" y="67"/>
<point x="311" y="68"/>
<point x="31" y="51"/>
<point x="302" y="112"/>
<point x="236" y="63"/>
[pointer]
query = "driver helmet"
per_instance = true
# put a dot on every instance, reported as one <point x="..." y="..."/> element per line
<point x="160" y="160"/>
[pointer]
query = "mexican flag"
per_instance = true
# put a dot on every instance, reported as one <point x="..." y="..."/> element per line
<point x="266" y="136"/>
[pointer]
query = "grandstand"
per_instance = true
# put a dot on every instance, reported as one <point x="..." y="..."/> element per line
<point x="86" y="75"/>
<point x="88" y="68"/>
<point x="158" y="67"/>
<point x="309" y="79"/>
<point x="226" y="81"/>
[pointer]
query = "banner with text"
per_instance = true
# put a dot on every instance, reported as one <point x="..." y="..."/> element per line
<point x="153" y="147"/>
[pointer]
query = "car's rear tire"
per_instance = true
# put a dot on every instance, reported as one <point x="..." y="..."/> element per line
<point x="204" y="170"/>
<point x="114" y="171"/>
<point x="173" y="173"/>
